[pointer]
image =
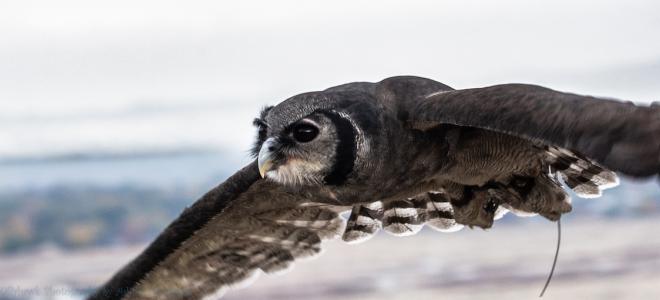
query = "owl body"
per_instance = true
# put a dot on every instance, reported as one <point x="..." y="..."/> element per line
<point x="398" y="155"/>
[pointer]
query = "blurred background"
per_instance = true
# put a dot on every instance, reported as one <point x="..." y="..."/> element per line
<point x="114" y="116"/>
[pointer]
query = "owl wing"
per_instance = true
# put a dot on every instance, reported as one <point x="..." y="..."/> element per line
<point x="242" y="227"/>
<point x="620" y="136"/>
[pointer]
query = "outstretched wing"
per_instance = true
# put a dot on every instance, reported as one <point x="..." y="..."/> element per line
<point x="242" y="227"/>
<point x="621" y="136"/>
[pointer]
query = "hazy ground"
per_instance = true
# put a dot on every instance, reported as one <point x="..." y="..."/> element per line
<point x="610" y="247"/>
<point x="599" y="259"/>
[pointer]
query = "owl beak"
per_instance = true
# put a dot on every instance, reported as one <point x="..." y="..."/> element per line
<point x="265" y="158"/>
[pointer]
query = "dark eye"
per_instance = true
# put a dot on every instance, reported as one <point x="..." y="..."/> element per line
<point x="304" y="133"/>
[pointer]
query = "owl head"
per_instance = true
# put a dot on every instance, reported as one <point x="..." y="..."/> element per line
<point x="316" y="139"/>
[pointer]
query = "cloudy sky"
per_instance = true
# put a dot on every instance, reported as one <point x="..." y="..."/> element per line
<point x="107" y="76"/>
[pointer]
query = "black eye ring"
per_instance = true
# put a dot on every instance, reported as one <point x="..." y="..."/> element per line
<point x="304" y="132"/>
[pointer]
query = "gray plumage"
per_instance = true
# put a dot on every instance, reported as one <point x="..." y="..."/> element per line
<point x="398" y="154"/>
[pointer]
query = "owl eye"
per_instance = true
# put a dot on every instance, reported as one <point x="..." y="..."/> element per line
<point x="304" y="133"/>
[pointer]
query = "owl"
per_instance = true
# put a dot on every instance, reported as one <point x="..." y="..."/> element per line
<point x="398" y="155"/>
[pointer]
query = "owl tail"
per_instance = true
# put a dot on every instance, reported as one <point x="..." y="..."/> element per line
<point x="584" y="176"/>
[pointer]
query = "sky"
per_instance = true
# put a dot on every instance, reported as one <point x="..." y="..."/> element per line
<point x="140" y="76"/>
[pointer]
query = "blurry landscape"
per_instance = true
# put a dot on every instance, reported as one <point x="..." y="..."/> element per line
<point x="116" y="116"/>
<point x="62" y="238"/>
<point x="91" y="213"/>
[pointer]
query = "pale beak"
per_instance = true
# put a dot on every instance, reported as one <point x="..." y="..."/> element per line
<point x="265" y="158"/>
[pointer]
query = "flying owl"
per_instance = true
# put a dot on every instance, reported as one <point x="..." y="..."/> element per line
<point x="397" y="154"/>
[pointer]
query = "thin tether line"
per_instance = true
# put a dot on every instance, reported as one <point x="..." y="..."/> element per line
<point x="554" y="262"/>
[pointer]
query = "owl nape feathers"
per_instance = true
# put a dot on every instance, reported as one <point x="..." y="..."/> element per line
<point x="398" y="154"/>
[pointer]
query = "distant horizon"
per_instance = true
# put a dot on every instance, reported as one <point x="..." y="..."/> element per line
<point x="81" y="77"/>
